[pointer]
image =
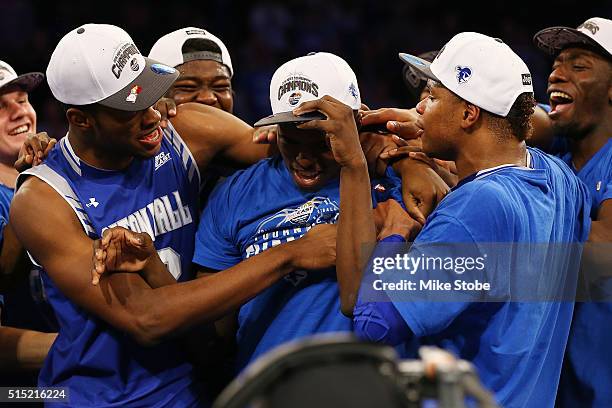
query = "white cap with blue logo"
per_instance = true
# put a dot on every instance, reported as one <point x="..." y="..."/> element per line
<point x="99" y="63"/>
<point x="480" y="69"/>
<point x="308" y="78"/>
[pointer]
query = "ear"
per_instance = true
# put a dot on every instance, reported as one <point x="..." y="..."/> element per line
<point x="79" y="119"/>
<point x="471" y="115"/>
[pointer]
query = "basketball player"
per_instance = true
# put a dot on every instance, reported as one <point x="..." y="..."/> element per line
<point x="580" y="91"/>
<point x="506" y="194"/>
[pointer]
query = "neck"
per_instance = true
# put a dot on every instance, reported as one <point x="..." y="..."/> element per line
<point x="8" y="175"/>
<point x="583" y="149"/>
<point x="95" y="156"/>
<point x="492" y="153"/>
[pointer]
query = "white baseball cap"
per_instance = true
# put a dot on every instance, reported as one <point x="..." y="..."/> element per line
<point x="478" y="68"/>
<point x="595" y="32"/>
<point x="169" y="48"/>
<point x="27" y="82"/>
<point x="308" y="78"/>
<point x="99" y="63"/>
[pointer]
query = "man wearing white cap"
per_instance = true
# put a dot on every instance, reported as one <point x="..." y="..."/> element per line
<point x="280" y="199"/>
<point x="477" y="114"/>
<point x="116" y="167"/>
<point x="204" y="64"/>
<point x="580" y="91"/>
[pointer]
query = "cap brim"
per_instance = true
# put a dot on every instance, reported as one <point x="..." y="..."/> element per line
<point x="554" y="39"/>
<point x="418" y="64"/>
<point x="153" y="82"/>
<point x="27" y="82"/>
<point x="289" y="117"/>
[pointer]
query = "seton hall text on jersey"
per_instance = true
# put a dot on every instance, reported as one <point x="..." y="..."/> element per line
<point x="157" y="217"/>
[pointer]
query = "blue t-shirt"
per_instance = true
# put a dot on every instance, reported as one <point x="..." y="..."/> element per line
<point x="517" y="347"/>
<point x="256" y="209"/>
<point x="587" y="371"/>
<point x="101" y="365"/>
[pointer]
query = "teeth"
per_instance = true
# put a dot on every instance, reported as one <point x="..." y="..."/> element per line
<point x="20" y="129"/>
<point x="561" y="95"/>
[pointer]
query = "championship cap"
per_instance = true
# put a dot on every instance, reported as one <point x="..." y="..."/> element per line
<point x="595" y="32"/>
<point x="27" y="82"/>
<point x="308" y="78"/>
<point x="169" y="48"/>
<point x="99" y="63"/>
<point x="465" y="66"/>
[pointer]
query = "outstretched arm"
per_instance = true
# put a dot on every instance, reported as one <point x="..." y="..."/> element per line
<point x="125" y="300"/>
<point x="215" y="136"/>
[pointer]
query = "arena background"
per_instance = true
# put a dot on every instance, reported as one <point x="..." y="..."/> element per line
<point x="263" y="34"/>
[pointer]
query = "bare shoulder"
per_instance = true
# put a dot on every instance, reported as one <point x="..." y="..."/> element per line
<point x="39" y="215"/>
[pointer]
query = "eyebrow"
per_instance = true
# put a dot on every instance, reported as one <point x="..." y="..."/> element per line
<point x="197" y="78"/>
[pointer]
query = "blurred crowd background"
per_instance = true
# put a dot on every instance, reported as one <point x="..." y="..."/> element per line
<point x="261" y="35"/>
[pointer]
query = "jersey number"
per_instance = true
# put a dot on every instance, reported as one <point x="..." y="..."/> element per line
<point x="172" y="261"/>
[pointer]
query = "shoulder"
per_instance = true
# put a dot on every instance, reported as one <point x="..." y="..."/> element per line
<point x="195" y="120"/>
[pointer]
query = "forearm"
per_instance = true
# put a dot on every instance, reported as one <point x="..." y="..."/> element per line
<point x="355" y="228"/>
<point x="156" y="274"/>
<point x="13" y="259"/>
<point x="174" y="308"/>
<point x="23" y="349"/>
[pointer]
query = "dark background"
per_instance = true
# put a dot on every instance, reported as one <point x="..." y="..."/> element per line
<point x="261" y="35"/>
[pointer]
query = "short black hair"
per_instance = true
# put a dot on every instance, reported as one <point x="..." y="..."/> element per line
<point x="518" y="120"/>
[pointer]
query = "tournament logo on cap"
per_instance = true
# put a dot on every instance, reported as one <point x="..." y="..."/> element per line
<point x="308" y="78"/>
<point x="294" y="98"/>
<point x="133" y="94"/>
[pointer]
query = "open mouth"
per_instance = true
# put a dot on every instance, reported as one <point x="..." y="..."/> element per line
<point x="153" y="138"/>
<point x="307" y="177"/>
<point x="559" y="102"/>
<point x="19" y="130"/>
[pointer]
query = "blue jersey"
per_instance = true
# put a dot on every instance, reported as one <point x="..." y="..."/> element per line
<point x="101" y="365"/>
<point x="517" y="347"/>
<point x="587" y="370"/>
<point x="268" y="209"/>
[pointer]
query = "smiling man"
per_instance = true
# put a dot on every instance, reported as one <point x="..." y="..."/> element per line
<point x="580" y="90"/>
<point x="204" y="64"/>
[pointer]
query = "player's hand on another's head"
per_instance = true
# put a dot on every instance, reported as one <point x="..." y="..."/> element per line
<point x="379" y="149"/>
<point x="340" y="128"/>
<point x="167" y="108"/>
<point x="391" y="219"/>
<point x="121" y="250"/>
<point x="402" y="122"/>
<point x="316" y="249"/>
<point x="265" y="134"/>
<point x="34" y="150"/>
